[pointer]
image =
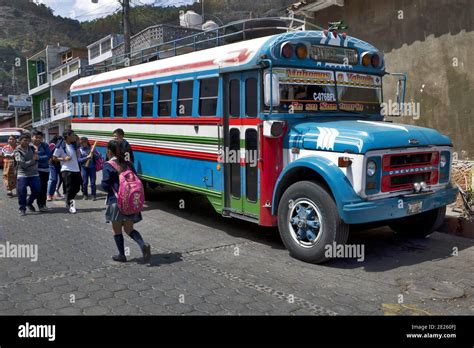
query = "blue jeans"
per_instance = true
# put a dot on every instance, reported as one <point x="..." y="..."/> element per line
<point x="54" y="174"/>
<point x="22" y="189"/>
<point x="88" y="174"/>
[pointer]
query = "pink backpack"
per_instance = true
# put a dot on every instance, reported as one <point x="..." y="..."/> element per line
<point x="99" y="162"/>
<point x="131" y="194"/>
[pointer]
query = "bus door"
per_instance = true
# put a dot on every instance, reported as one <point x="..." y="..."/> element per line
<point x="241" y="143"/>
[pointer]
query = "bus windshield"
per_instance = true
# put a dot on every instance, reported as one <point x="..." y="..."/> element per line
<point x="303" y="91"/>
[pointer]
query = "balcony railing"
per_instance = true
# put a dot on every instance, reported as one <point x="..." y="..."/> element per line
<point x="66" y="71"/>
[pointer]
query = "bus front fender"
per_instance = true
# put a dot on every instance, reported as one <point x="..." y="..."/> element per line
<point x="320" y="170"/>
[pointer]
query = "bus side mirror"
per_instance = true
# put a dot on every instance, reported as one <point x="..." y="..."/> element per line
<point x="272" y="90"/>
<point x="399" y="108"/>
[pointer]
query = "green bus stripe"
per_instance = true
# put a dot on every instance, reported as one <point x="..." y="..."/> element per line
<point x="184" y="186"/>
<point x="148" y="136"/>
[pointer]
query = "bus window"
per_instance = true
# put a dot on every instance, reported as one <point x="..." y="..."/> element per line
<point x="234" y="145"/>
<point x="106" y="104"/>
<point x="234" y="98"/>
<point x="251" y="102"/>
<point x="118" y="103"/>
<point x="251" y="168"/>
<point x="96" y="102"/>
<point x="185" y="98"/>
<point x="208" y="97"/>
<point x="75" y="106"/>
<point x="132" y="102"/>
<point x="164" y="105"/>
<point x="147" y="101"/>
<point x="84" y="105"/>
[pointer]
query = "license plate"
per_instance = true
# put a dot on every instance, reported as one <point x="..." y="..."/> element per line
<point x="414" y="208"/>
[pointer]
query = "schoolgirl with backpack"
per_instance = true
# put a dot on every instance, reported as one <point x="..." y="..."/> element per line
<point x="125" y="200"/>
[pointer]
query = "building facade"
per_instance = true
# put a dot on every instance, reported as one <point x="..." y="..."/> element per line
<point x="50" y="74"/>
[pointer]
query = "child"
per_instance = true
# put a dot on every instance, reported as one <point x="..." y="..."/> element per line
<point x="87" y="161"/>
<point x="110" y="184"/>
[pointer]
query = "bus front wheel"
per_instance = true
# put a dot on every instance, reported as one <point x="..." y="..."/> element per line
<point x="309" y="222"/>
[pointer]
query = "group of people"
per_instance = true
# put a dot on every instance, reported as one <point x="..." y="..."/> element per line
<point x="29" y="162"/>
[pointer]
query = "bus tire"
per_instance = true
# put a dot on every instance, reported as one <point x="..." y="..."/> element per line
<point x="308" y="221"/>
<point x="420" y="225"/>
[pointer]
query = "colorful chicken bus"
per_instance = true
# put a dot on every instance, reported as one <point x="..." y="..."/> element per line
<point x="284" y="130"/>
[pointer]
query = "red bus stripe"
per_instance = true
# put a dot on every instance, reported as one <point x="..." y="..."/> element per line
<point x="169" y="152"/>
<point x="171" y="120"/>
<point x="150" y="120"/>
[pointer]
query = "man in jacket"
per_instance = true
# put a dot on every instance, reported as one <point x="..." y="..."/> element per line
<point x="44" y="154"/>
<point x="26" y="158"/>
<point x="125" y="147"/>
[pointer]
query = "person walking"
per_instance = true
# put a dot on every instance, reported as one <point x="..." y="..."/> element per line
<point x="120" y="222"/>
<point x="26" y="158"/>
<point x="87" y="160"/>
<point x="125" y="147"/>
<point x="66" y="152"/>
<point x="54" y="171"/>
<point x="9" y="166"/>
<point x="44" y="154"/>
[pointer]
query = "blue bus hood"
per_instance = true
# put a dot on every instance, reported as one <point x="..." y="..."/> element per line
<point x="360" y="136"/>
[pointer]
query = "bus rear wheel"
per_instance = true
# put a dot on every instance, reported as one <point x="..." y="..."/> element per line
<point x="420" y="225"/>
<point x="308" y="221"/>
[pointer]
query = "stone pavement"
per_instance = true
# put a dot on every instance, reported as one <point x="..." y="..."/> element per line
<point x="205" y="264"/>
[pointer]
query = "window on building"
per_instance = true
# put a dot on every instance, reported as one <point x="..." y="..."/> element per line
<point x="147" y="101"/>
<point x="105" y="46"/>
<point x="185" y="98"/>
<point x="132" y="96"/>
<point x="45" y="110"/>
<point x="118" y="103"/>
<point x="106" y="98"/>
<point x="251" y="101"/>
<point x="94" y="51"/>
<point x="66" y="57"/>
<point x="96" y="104"/>
<point x="208" y="96"/>
<point x="165" y="99"/>
<point x="234" y="98"/>
<point x="41" y="72"/>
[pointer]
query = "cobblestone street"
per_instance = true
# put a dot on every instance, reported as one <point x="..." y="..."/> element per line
<point x="205" y="264"/>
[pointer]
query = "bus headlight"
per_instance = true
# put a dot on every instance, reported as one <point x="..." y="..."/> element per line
<point x="443" y="161"/>
<point x="371" y="168"/>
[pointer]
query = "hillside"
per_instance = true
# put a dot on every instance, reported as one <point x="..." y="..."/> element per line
<point x="26" y="27"/>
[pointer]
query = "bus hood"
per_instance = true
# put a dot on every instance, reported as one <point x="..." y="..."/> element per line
<point x="360" y="136"/>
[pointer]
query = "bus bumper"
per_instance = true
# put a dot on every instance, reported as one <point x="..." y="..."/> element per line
<point x="395" y="207"/>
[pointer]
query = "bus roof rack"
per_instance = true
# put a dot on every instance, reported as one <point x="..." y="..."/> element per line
<point x="242" y="30"/>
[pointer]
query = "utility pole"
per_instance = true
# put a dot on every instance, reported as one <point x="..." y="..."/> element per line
<point x="126" y="26"/>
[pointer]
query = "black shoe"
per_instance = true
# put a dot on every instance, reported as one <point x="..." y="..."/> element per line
<point x="119" y="258"/>
<point x="31" y="208"/>
<point x="85" y="197"/>
<point x="22" y="212"/>
<point x="146" y="253"/>
<point x="94" y="198"/>
<point x="43" y="208"/>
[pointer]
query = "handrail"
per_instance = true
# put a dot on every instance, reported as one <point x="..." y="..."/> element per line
<point x="214" y="38"/>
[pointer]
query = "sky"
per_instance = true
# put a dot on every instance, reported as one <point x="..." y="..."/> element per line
<point x="84" y="10"/>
